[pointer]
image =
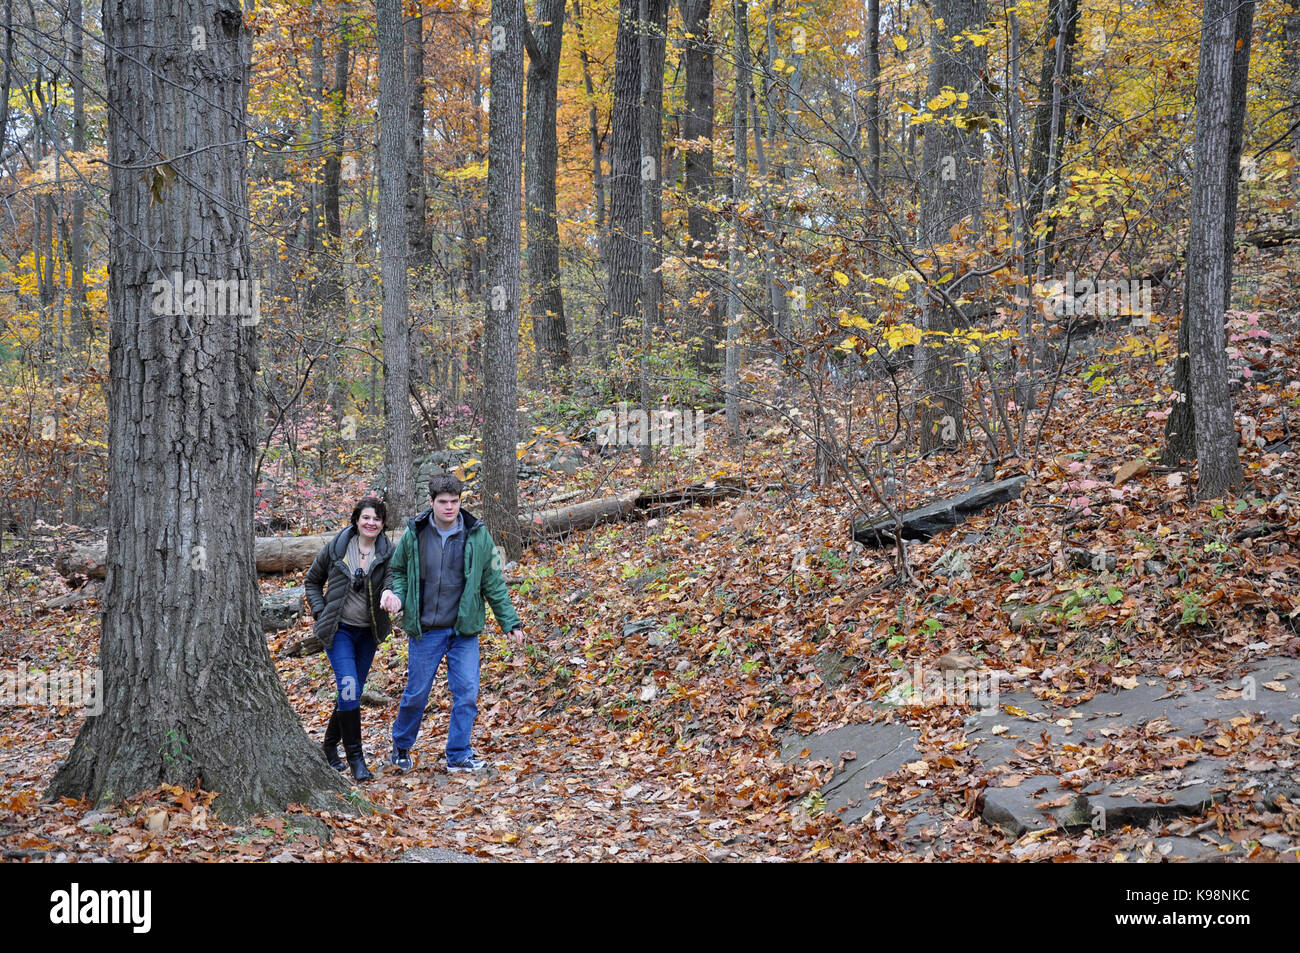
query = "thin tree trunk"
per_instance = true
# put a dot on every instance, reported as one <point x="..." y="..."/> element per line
<point x="874" y="91"/>
<point x="316" y="191"/>
<point x="541" y="155"/>
<point x="624" y="249"/>
<point x="653" y="24"/>
<point x="330" y="269"/>
<point x="740" y="141"/>
<point x="501" y="324"/>
<point x="950" y="192"/>
<point x="697" y="129"/>
<point x="1180" y="427"/>
<point x="190" y="695"/>
<point x="419" y="250"/>
<point x="394" y="120"/>
<point x="83" y="326"/>
<point x="597" y="174"/>
<point x="1207" y="261"/>
<point x="1291" y="57"/>
<point x="1045" y="149"/>
<point x="6" y="83"/>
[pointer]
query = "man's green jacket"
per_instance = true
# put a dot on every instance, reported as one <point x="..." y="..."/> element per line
<point x="483" y="582"/>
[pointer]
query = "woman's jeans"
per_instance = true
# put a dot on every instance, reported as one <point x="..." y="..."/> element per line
<point x="424" y="656"/>
<point x="350" y="655"/>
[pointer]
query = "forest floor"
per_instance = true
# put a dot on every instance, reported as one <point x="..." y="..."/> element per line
<point x="738" y="682"/>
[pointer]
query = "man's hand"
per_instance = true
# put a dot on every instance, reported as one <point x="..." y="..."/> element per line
<point x="517" y="636"/>
<point x="389" y="601"/>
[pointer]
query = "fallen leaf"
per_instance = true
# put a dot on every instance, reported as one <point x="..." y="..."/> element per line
<point x="1134" y="468"/>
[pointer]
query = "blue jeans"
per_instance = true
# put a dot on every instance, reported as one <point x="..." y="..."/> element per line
<point x="423" y="658"/>
<point x="350" y="655"/>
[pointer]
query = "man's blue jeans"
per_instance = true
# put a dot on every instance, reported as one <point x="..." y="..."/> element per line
<point x="350" y="656"/>
<point x="423" y="658"/>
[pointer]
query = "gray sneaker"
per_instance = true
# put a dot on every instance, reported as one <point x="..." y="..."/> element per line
<point x="400" y="759"/>
<point x="470" y="764"/>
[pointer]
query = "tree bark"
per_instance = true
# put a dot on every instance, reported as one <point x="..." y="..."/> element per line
<point x="1291" y="57"/>
<point x="697" y="129"/>
<point x="950" y="193"/>
<point x="740" y="167"/>
<point x="624" y="251"/>
<point x="1207" y="263"/>
<point x="83" y="326"/>
<point x="501" y="324"/>
<point x="1044" y="174"/>
<point x="1180" y="427"/>
<point x="393" y="234"/>
<point x="541" y="155"/>
<point x="190" y="695"/>
<point x="873" y="90"/>
<point x="597" y="174"/>
<point x="419" y="249"/>
<point x="653" y="23"/>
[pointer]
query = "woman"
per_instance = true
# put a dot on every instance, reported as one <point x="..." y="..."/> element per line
<point x="354" y="567"/>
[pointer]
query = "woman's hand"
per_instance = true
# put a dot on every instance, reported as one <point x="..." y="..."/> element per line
<point x="389" y="602"/>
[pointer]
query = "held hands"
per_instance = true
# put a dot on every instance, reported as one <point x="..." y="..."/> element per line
<point x="389" y="602"/>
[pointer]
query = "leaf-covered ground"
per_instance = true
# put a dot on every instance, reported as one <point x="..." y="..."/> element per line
<point x="670" y="658"/>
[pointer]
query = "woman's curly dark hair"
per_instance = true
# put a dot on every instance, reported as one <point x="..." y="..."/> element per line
<point x="374" y="503"/>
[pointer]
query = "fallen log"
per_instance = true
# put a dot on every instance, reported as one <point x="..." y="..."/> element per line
<point x="925" y="521"/>
<point x="91" y="590"/>
<point x="567" y="519"/>
<point x="272" y="553"/>
<point x="276" y="554"/>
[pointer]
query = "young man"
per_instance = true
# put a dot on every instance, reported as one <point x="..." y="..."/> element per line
<point x="444" y="569"/>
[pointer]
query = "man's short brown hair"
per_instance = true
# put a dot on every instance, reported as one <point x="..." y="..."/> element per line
<point x="445" y="483"/>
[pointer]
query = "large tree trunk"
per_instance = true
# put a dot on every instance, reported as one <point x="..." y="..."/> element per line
<point x="1208" y="265"/>
<point x="541" y="153"/>
<point x="190" y="694"/>
<point x="697" y="129"/>
<point x="624" y="251"/>
<point x="393" y="231"/>
<point x="501" y="325"/>
<point x="1180" y="428"/>
<point x="950" y="192"/>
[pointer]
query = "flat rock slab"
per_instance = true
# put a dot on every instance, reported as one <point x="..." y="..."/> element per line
<point x="925" y="521"/>
<point x="436" y="855"/>
<point x="1190" y="850"/>
<point x="862" y="754"/>
<point x="877" y="750"/>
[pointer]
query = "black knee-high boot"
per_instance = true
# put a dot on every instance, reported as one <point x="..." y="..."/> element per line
<point x="350" y="727"/>
<point x="331" y="744"/>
